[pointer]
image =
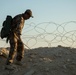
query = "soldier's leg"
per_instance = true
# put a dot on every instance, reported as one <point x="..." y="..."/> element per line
<point x="20" y="50"/>
<point x="13" y="49"/>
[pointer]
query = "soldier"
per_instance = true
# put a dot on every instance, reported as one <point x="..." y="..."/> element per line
<point x="16" y="44"/>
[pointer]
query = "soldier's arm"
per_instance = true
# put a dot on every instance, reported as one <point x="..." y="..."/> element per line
<point x="16" y="21"/>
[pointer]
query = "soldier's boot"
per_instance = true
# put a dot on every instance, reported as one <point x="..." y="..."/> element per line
<point x="9" y="65"/>
<point x="18" y="63"/>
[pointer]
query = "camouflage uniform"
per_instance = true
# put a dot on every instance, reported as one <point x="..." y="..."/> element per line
<point x="16" y="44"/>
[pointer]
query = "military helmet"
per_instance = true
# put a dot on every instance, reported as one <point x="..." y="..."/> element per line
<point x="29" y="12"/>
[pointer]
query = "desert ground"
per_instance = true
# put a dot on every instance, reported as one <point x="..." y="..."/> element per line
<point x="42" y="61"/>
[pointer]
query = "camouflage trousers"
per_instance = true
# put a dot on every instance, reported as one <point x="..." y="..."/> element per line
<point x="16" y="47"/>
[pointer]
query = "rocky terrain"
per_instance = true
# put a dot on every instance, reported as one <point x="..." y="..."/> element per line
<point x="42" y="61"/>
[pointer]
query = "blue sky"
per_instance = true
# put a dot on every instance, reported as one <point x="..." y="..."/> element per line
<point x="58" y="11"/>
<point x="43" y="10"/>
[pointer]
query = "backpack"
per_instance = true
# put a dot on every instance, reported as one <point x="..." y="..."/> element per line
<point x="6" y="27"/>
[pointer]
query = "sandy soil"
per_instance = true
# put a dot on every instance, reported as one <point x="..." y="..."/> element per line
<point x="44" y="61"/>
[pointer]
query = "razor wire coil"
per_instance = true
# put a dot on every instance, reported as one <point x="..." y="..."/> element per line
<point x="49" y="34"/>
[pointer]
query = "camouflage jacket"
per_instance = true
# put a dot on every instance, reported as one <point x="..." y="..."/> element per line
<point x="17" y="24"/>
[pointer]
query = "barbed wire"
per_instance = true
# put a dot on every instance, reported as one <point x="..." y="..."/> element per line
<point x="48" y="34"/>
